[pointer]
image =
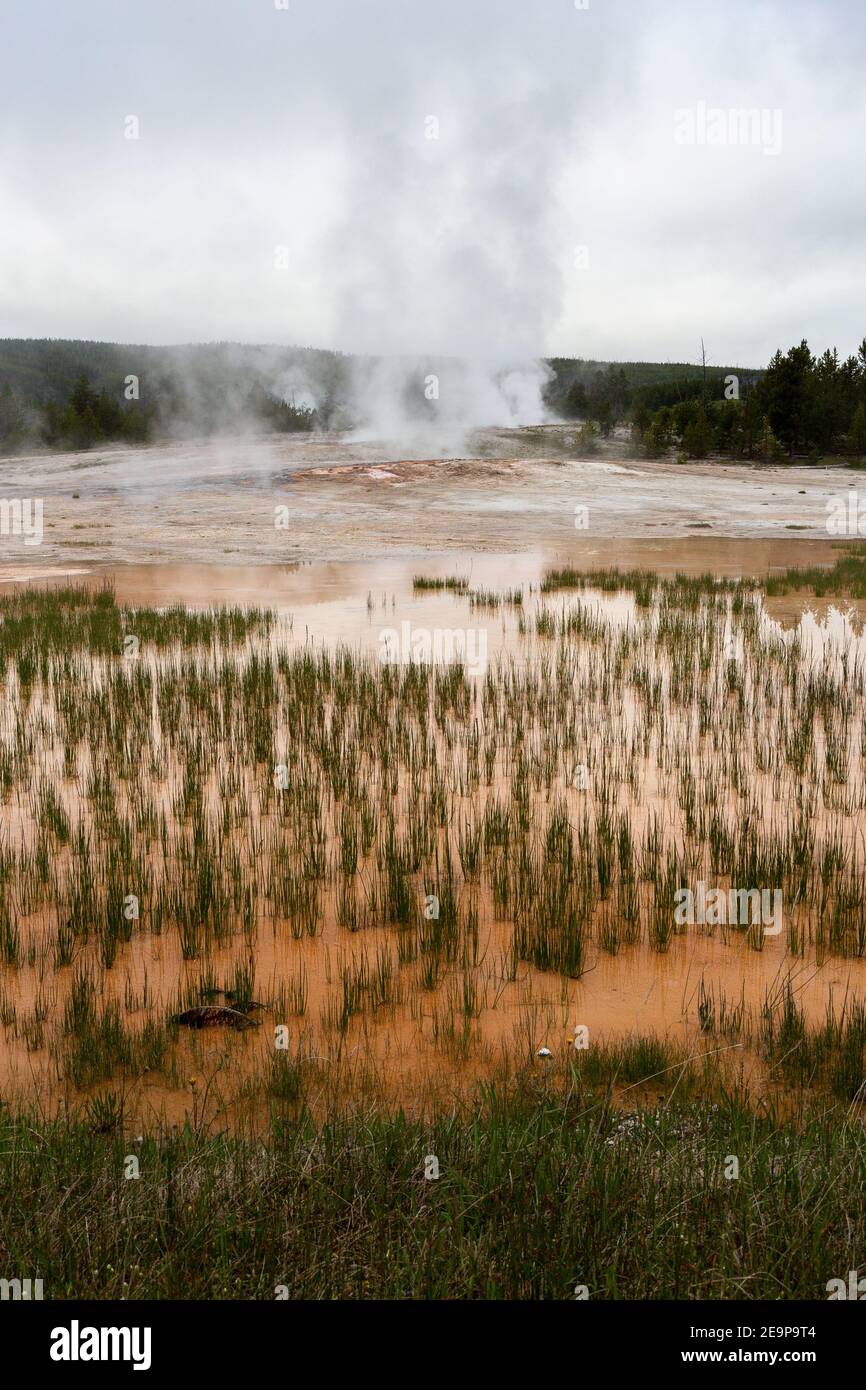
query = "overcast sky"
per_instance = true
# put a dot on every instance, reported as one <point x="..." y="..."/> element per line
<point x="284" y="186"/>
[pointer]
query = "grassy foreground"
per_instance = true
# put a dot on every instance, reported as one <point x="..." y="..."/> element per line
<point x="539" y="1192"/>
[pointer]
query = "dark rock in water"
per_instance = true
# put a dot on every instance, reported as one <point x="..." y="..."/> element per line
<point x="212" y="1015"/>
<point x="243" y="1006"/>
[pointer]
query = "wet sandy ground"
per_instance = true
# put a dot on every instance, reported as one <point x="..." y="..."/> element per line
<point x="407" y="1052"/>
<point x="324" y="498"/>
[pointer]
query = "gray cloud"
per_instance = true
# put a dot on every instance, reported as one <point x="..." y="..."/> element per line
<point x="307" y="129"/>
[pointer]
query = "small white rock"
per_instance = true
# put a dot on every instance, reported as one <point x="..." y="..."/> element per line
<point x="544" y="1052"/>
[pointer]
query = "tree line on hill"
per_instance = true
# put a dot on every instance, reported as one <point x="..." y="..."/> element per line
<point x="90" y="417"/>
<point x="800" y="405"/>
<point x="57" y="395"/>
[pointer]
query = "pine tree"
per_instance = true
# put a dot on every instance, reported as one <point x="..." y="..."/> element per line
<point x="768" y="447"/>
<point x="698" y="436"/>
<point x="857" y="433"/>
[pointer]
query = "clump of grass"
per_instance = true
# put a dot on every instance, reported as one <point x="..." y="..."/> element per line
<point x="429" y="583"/>
<point x="846" y="576"/>
<point x="494" y="599"/>
<point x="96" y="1043"/>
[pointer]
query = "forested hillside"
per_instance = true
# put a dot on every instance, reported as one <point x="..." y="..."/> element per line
<point x="74" y="395"/>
